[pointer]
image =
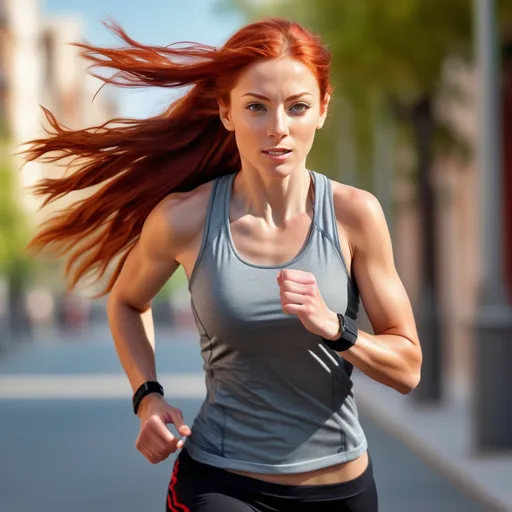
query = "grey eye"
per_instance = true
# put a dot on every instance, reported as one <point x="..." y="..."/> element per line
<point x="259" y="107"/>
<point x="303" y="107"/>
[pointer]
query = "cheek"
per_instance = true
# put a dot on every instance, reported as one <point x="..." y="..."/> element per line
<point x="304" y="129"/>
<point x="248" y="133"/>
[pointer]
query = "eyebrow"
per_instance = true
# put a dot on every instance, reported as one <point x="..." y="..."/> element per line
<point x="262" y="97"/>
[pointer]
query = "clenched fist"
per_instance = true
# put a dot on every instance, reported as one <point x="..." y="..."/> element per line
<point x="300" y="296"/>
<point x="155" y="441"/>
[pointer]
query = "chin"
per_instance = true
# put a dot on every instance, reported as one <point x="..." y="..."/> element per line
<point x="279" y="170"/>
<point x="282" y="170"/>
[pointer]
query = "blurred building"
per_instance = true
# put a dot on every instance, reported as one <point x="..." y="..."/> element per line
<point x="40" y="68"/>
<point x="458" y="185"/>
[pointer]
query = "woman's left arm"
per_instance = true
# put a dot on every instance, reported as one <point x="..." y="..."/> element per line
<point x="393" y="354"/>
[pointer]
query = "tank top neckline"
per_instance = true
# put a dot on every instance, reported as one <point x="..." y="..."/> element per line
<point x="305" y="246"/>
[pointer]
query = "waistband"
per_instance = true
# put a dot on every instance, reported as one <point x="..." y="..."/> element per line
<point x="342" y="490"/>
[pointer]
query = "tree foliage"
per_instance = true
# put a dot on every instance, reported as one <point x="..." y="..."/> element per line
<point x="14" y="230"/>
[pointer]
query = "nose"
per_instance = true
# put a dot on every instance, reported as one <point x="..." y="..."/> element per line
<point x="278" y="125"/>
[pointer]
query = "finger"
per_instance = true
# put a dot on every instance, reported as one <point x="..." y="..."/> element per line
<point x="151" y="456"/>
<point x="156" y="428"/>
<point x="179" y="423"/>
<point x="156" y="456"/>
<point x="154" y="449"/>
<point x="299" y="276"/>
<point x="162" y="450"/>
<point x="294" y="309"/>
<point x="153" y="439"/>
<point x="156" y="441"/>
<point x="292" y="286"/>
<point x="172" y="447"/>
<point x="292" y="298"/>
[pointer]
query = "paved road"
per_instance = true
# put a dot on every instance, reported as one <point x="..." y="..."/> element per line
<point x="68" y="445"/>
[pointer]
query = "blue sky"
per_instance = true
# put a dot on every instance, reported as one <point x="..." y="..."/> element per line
<point x="154" y="22"/>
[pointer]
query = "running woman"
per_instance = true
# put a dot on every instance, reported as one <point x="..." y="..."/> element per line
<point x="277" y="257"/>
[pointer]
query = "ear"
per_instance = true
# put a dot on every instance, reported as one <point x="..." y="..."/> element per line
<point x="323" y="111"/>
<point x="225" y="115"/>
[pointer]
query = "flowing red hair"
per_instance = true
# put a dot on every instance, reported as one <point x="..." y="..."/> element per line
<point x="135" y="163"/>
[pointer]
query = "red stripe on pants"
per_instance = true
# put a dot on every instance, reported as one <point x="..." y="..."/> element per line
<point x="172" y="501"/>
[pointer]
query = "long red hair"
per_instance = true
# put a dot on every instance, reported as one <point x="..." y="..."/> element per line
<point x="139" y="162"/>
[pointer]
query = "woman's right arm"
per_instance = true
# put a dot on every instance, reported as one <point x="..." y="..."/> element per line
<point x="149" y="265"/>
<point x="172" y="226"/>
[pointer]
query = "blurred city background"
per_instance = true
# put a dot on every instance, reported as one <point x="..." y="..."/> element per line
<point x="421" y="117"/>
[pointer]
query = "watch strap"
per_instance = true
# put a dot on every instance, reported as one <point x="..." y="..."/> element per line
<point x="348" y="337"/>
<point x="145" y="389"/>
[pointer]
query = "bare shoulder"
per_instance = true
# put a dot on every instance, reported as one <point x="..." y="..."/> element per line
<point x="176" y="221"/>
<point x="359" y="212"/>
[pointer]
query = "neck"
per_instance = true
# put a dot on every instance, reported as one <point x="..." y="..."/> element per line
<point x="274" y="199"/>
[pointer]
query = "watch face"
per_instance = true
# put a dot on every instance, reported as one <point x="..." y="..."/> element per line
<point x="341" y="320"/>
<point x="351" y="330"/>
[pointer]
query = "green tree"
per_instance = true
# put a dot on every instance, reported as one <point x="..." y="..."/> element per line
<point x="16" y="267"/>
<point x="13" y="229"/>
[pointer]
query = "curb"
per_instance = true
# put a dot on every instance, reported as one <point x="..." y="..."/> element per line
<point x="466" y="484"/>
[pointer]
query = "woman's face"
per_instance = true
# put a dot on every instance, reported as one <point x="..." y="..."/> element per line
<point x="274" y="110"/>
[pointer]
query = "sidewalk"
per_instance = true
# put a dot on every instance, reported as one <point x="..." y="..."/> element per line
<point x="441" y="436"/>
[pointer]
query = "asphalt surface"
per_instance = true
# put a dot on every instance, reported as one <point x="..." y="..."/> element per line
<point x="66" y="449"/>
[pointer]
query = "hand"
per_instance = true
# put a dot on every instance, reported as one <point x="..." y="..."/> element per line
<point x="300" y="296"/>
<point x="155" y="441"/>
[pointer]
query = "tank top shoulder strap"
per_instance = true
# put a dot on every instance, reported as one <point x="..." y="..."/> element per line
<point x="326" y="215"/>
<point x="216" y="212"/>
<point x="215" y="216"/>
<point x="326" y="222"/>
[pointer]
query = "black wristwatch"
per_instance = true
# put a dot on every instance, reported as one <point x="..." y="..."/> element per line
<point x="348" y="334"/>
<point x="145" y="389"/>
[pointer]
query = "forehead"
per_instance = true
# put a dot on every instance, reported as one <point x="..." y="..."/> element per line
<point x="277" y="76"/>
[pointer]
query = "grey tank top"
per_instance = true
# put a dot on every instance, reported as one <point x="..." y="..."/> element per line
<point x="278" y="400"/>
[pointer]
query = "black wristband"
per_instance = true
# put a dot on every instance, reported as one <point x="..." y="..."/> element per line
<point x="145" y="389"/>
<point x="349" y="332"/>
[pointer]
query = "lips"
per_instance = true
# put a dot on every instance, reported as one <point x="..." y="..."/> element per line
<point x="276" y="152"/>
<point x="277" y="155"/>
